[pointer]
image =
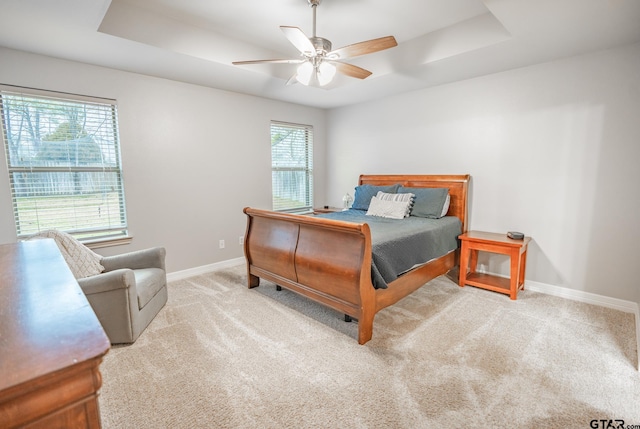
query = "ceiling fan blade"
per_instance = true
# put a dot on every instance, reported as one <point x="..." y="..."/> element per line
<point x="296" y="61"/>
<point x="351" y="70"/>
<point x="363" y="48"/>
<point x="299" y="40"/>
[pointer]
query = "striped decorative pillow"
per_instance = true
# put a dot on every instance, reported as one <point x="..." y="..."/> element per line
<point x="388" y="208"/>
<point x="405" y="198"/>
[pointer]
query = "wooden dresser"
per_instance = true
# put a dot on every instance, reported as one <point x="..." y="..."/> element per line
<point x="51" y="342"/>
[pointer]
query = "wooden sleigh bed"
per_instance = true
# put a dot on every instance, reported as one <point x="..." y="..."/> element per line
<point x="329" y="261"/>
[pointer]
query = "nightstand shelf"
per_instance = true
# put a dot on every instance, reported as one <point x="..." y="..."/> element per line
<point x="490" y="282"/>
<point x="474" y="241"/>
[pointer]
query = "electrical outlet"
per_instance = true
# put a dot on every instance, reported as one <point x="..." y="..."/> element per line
<point x="241" y="240"/>
<point x="221" y="243"/>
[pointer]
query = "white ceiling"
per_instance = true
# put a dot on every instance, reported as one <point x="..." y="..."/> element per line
<point x="195" y="41"/>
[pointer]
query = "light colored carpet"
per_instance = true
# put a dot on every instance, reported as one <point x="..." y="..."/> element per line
<point x="222" y="356"/>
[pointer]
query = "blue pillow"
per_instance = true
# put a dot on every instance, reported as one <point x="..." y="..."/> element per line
<point x="364" y="193"/>
<point x="428" y="201"/>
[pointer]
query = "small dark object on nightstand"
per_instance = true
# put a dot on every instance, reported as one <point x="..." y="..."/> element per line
<point x="515" y="235"/>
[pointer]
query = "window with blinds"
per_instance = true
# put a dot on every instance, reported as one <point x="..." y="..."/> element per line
<point x="292" y="167"/>
<point x="63" y="159"/>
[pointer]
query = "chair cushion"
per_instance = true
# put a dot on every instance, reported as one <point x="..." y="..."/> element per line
<point x="82" y="261"/>
<point x="149" y="281"/>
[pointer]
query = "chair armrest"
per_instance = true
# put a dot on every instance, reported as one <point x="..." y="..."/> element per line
<point x="112" y="280"/>
<point x="147" y="258"/>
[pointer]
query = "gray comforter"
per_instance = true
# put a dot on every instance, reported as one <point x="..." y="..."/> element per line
<point x="400" y="244"/>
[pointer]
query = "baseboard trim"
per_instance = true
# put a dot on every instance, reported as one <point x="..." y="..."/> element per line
<point x="582" y="296"/>
<point x="638" y="335"/>
<point x="204" y="269"/>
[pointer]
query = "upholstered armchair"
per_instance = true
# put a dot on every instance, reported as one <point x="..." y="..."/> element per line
<point x="129" y="293"/>
<point x="125" y="291"/>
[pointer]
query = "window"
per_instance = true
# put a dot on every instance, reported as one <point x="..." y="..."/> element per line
<point x="63" y="159"/>
<point x="292" y="167"/>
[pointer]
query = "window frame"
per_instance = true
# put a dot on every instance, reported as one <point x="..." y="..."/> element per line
<point x="307" y="170"/>
<point x="97" y="234"/>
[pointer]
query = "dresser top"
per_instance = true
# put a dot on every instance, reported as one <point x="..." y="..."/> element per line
<point x="46" y="322"/>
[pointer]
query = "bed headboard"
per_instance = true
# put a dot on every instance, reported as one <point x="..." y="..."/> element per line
<point x="458" y="186"/>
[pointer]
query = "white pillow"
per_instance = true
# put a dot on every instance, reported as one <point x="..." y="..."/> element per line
<point x="389" y="209"/>
<point x="445" y="207"/>
<point x="404" y="197"/>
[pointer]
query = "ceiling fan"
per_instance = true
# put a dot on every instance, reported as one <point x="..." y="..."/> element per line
<point x="318" y="63"/>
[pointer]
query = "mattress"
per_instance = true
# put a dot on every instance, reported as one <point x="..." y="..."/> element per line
<point x="398" y="245"/>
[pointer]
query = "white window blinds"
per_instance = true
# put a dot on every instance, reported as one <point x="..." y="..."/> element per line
<point x="63" y="159"/>
<point x="292" y="167"/>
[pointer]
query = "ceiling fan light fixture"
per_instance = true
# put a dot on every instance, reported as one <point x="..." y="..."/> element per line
<point x="305" y="71"/>
<point x="326" y="71"/>
<point x="321" y="74"/>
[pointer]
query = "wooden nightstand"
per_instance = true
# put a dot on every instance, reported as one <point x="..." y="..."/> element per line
<point x="474" y="241"/>
<point x="326" y="209"/>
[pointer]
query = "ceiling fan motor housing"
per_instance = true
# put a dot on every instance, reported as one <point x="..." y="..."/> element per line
<point x="321" y="44"/>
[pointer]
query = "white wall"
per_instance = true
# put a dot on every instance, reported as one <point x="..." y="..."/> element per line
<point x="553" y="151"/>
<point x="193" y="157"/>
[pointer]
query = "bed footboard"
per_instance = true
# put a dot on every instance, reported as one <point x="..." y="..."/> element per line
<point x="326" y="260"/>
